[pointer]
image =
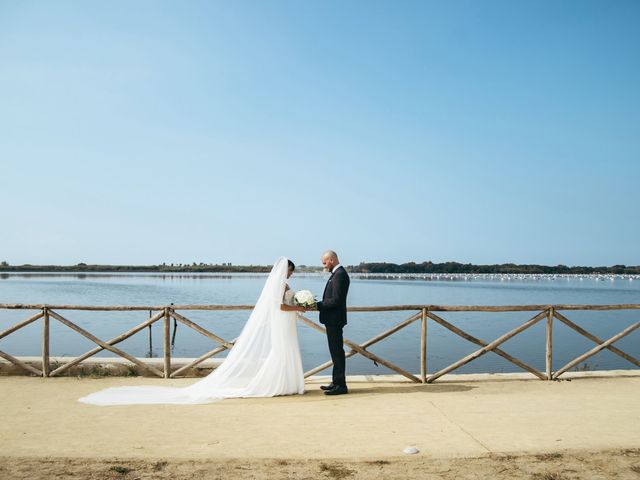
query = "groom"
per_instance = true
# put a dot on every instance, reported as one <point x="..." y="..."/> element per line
<point x="333" y="314"/>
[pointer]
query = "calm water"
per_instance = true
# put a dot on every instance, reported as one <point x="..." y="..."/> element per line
<point x="402" y="348"/>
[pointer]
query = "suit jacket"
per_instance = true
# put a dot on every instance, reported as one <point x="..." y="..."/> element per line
<point x="333" y="307"/>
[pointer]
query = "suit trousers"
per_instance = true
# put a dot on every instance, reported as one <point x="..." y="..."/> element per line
<point x="334" y="337"/>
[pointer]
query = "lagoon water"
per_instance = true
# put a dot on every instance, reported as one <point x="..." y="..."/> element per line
<point x="402" y="348"/>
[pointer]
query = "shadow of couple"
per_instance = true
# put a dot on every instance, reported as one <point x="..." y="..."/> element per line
<point x="383" y="389"/>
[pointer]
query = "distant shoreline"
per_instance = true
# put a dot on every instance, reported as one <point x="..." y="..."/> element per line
<point x="427" y="268"/>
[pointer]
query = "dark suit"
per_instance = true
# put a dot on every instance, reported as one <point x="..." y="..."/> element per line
<point x="333" y="314"/>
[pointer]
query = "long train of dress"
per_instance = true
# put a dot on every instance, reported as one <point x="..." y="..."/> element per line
<point x="264" y="362"/>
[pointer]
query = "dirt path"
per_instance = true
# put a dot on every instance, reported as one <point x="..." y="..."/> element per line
<point x="618" y="464"/>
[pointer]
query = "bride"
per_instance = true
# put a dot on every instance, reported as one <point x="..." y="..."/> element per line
<point x="264" y="362"/>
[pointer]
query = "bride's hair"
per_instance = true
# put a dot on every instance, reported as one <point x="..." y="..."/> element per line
<point x="292" y="265"/>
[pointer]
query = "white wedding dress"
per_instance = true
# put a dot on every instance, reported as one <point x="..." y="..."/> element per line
<point x="264" y="362"/>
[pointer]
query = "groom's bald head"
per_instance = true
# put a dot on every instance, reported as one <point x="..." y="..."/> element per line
<point x="331" y="255"/>
<point x="330" y="260"/>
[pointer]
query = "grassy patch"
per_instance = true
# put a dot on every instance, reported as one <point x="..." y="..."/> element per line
<point x="547" y="457"/>
<point x="99" y="371"/>
<point x="120" y="469"/>
<point x="336" y="471"/>
<point x="630" y="452"/>
<point x="548" y="476"/>
<point x="158" y="466"/>
<point x="502" y="457"/>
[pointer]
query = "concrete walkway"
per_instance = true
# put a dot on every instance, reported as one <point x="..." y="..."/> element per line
<point x="456" y="417"/>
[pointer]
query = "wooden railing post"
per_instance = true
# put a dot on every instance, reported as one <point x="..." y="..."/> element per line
<point x="45" y="344"/>
<point x="423" y="347"/>
<point x="549" y="349"/>
<point x="150" y="338"/>
<point x="167" y="343"/>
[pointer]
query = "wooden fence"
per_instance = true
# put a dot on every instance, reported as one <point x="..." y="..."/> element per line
<point x="419" y="313"/>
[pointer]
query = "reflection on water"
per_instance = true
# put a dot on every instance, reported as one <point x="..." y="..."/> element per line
<point x="82" y="276"/>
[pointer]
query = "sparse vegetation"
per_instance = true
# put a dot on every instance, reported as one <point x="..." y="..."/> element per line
<point x="158" y="466"/>
<point x="548" y="476"/>
<point x="503" y="457"/>
<point x="573" y="465"/>
<point x="585" y="367"/>
<point x="120" y="469"/>
<point x="99" y="371"/>
<point x="336" y="471"/>
<point x="630" y="452"/>
<point x="547" y="457"/>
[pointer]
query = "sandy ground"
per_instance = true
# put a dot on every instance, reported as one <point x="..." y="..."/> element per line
<point x="584" y="428"/>
<point x="618" y="464"/>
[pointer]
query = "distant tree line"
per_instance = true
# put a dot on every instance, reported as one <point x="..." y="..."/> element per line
<point x="455" y="267"/>
<point x="164" y="267"/>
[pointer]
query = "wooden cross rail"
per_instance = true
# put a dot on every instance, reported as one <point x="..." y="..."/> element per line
<point x="203" y="331"/>
<point x="105" y="345"/>
<point x="582" y="331"/>
<point x="601" y="344"/>
<point x="473" y="339"/>
<point x="362" y="349"/>
<point x="113" y="341"/>
<point x="366" y="344"/>
<point x="488" y="347"/>
<point x="420" y="312"/>
<point x="21" y="364"/>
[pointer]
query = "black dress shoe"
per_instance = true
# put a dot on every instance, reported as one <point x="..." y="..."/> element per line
<point x="339" y="390"/>
<point x="331" y="386"/>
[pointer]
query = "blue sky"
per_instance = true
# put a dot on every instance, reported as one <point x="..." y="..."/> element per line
<point x="471" y="131"/>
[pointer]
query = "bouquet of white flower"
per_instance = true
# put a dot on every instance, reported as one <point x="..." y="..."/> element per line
<point x="304" y="298"/>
